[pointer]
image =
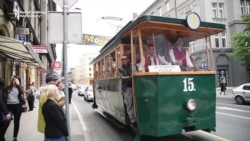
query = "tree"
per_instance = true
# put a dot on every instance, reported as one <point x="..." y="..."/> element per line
<point x="241" y="41"/>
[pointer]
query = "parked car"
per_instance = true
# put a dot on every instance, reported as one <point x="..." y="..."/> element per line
<point x="242" y="93"/>
<point x="81" y="90"/>
<point x="88" y="93"/>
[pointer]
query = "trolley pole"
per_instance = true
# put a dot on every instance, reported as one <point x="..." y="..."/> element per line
<point x="65" y="63"/>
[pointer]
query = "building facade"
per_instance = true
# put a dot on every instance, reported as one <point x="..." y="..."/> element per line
<point x="23" y="29"/>
<point x="227" y="12"/>
<point x="85" y="69"/>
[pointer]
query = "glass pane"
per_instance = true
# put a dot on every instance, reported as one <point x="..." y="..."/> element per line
<point x="223" y="42"/>
<point x="214" y="5"/>
<point x="214" y="14"/>
<point x="217" y="42"/>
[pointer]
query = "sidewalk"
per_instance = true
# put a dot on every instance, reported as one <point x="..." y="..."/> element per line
<point x="229" y="92"/>
<point x="28" y="127"/>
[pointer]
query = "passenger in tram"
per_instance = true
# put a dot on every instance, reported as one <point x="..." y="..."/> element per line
<point x="125" y="73"/>
<point x="138" y="66"/>
<point x="180" y="56"/>
<point x="153" y="58"/>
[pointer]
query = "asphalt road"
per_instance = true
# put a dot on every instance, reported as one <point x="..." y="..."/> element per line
<point x="233" y="121"/>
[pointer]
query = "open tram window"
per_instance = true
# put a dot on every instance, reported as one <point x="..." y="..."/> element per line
<point x="107" y="66"/>
<point x="113" y="64"/>
<point x="102" y="69"/>
<point x="155" y="51"/>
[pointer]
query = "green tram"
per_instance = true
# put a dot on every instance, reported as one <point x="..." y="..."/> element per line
<point x="167" y="99"/>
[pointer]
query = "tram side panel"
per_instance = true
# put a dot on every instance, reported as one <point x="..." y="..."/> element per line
<point x="162" y="99"/>
<point x="109" y="99"/>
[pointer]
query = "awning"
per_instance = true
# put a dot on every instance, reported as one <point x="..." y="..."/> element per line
<point x="15" y="49"/>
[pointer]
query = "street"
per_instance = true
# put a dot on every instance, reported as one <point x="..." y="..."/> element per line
<point x="233" y="121"/>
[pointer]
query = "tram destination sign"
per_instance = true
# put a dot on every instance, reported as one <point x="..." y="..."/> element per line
<point x="164" y="68"/>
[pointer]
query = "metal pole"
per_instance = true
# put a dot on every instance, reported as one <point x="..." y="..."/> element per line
<point x="65" y="50"/>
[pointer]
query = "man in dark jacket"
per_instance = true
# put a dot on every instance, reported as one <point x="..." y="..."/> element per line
<point x="125" y="72"/>
<point x="5" y="116"/>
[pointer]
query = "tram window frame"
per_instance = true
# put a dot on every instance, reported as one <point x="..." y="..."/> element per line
<point x="113" y="64"/>
<point x="107" y="66"/>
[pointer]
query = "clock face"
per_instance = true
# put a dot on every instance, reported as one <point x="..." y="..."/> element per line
<point x="193" y="20"/>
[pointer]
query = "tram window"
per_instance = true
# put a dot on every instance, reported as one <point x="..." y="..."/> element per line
<point x="155" y="50"/>
<point x="102" y="69"/>
<point x="138" y="64"/>
<point x="179" y="54"/>
<point x="127" y="51"/>
<point x="107" y="66"/>
<point x="113" y="64"/>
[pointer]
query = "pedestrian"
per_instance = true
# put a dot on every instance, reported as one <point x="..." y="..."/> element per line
<point x="70" y="91"/>
<point x="5" y="116"/>
<point x="61" y="94"/>
<point x="56" y="126"/>
<point x="30" y="97"/>
<point x="34" y="89"/>
<point x="14" y="103"/>
<point x="222" y="85"/>
<point x="50" y="80"/>
<point x="125" y="72"/>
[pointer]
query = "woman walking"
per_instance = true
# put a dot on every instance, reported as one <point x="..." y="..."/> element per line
<point x="14" y="103"/>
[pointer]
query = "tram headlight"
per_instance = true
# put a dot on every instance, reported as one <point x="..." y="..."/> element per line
<point x="191" y="104"/>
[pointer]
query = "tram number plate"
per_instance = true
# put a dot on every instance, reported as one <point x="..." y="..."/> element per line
<point x="164" y="68"/>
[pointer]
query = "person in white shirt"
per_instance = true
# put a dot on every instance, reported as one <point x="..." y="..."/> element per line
<point x="153" y="58"/>
<point x="180" y="56"/>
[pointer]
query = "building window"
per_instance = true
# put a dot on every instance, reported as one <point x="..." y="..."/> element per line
<point x="214" y="7"/>
<point x="191" y="45"/>
<point x="223" y="39"/>
<point x="218" y="10"/>
<point x="221" y="10"/>
<point x="245" y="8"/>
<point x="220" y="40"/>
<point x="217" y="44"/>
<point x="89" y="74"/>
<point x="89" y="69"/>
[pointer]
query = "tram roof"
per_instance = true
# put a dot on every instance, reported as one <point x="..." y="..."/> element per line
<point x="157" y="24"/>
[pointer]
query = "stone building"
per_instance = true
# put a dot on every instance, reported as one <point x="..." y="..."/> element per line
<point x="24" y="49"/>
<point x="227" y="12"/>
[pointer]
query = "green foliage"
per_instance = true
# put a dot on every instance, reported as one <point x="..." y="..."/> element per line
<point x="241" y="41"/>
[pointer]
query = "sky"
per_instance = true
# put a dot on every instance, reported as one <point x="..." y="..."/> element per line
<point x="92" y="22"/>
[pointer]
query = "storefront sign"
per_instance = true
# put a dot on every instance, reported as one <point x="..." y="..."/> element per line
<point x="41" y="70"/>
<point x="40" y="48"/>
<point x="57" y="65"/>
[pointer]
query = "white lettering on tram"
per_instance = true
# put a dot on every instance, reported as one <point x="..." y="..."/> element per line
<point x="188" y="85"/>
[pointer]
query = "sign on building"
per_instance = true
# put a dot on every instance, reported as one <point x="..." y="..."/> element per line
<point x="21" y="30"/>
<point x="40" y="48"/>
<point x="57" y="65"/>
<point x="22" y="37"/>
